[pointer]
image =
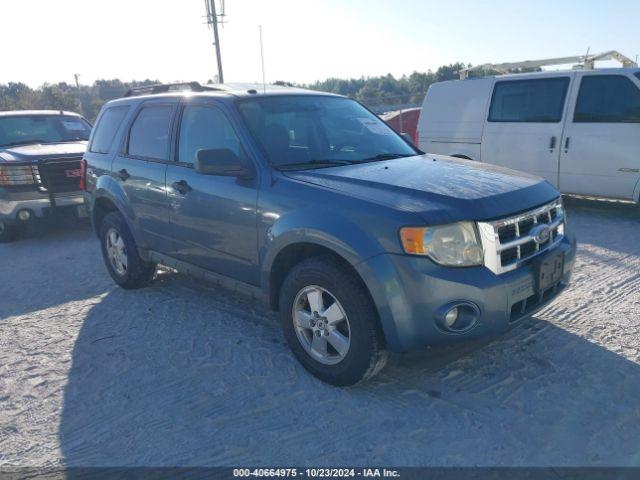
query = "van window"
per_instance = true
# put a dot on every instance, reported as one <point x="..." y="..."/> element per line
<point x="149" y="135"/>
<point x="107" y="128"/>
<point x="204" y="128"/>
<point x="637" y="74"/>
<point x="607" y="99"/>
<point x="535" y="101"/>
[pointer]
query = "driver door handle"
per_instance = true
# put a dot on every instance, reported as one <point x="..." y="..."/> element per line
<point x="123" y="174"/>
<point x="181" y="187"/>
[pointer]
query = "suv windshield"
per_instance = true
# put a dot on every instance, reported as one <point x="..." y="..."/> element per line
<point x="26" y="129"/>
<point x="319" y="131"/>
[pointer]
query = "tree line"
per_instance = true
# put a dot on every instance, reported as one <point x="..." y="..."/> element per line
<point x="378" y="93"/>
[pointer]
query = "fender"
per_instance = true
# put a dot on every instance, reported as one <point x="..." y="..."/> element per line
<point x="318" y="226"/>
<point x="107" y="187"/>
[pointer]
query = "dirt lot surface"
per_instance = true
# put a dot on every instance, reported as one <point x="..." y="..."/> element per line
<point x="184" y="374"/>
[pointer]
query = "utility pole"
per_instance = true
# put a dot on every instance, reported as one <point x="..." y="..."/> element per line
<point x="76" y="76"/>
<point x="212" y="20"/>
<point x="264" y="81"/>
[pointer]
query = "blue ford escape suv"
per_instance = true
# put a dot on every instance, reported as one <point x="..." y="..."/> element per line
<point x="310" y="202"/>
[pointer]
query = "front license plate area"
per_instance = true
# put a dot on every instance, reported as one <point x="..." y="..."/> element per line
<point x="549" y="271"/>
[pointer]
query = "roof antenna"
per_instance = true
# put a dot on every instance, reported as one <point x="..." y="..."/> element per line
<point x="264" y="83"/>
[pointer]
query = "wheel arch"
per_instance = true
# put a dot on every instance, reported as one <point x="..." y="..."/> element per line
<point x="292" y="254"/>
<point x="109" y="197"/>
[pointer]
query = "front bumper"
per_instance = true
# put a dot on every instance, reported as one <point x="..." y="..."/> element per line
<point x="38" y="204"/>
<point x="409" y="292"/>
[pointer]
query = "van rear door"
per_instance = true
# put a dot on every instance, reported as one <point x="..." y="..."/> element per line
<point x="452" y="117"/>
<point x="600" y="151"/>
<point x="525" y="124"/>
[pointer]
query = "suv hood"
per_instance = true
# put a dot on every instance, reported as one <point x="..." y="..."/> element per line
<point x="441" y="189"/>
<point x="42" y="151"/>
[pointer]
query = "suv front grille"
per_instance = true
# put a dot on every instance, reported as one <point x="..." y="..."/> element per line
<point x="59" y="176"/>
<point x="509" y="242"/>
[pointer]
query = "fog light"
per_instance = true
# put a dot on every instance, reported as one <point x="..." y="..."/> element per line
<point x="24" y="215"/>
<point x="450" y="317"/>
<point x="458" y="317"/>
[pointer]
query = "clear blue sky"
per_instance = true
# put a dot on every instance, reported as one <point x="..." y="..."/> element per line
<point x="305" y="40"/>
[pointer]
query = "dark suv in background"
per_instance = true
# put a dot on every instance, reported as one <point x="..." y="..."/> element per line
<point x="312" y="203"/>
<point x="40" y="161"/>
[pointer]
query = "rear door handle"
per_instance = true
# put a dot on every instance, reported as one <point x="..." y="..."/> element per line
<point x="181" y="187"/>
<point x="552" y="143"/>
<point x="566" y="144"/>
<point x="123" y="174"/>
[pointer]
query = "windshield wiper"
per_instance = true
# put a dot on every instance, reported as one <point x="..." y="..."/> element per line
<point x="313" y="164"/>
<point x="23" y="142"/>
<point x="385" y="156"/>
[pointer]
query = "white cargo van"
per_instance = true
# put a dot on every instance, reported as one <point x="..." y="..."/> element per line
<point x="578" y="129"/>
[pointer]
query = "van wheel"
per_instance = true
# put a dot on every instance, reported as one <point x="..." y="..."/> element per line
<point x="7" y="232"/>
<point x="330" y="323"/>
<point x="120" y="254"/>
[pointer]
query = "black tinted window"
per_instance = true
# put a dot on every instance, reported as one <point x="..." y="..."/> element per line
<point x="308" y="130"/>
<point x="205" y="128"/>
<point x="529" y="100"/>
<point x="20" y="129"/>
<point x="149" y="136"/>
<point x="107" y="128"/>
<point x="607" y="99"/>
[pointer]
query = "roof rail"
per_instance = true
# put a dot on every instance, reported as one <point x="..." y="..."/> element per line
<point x="166" y="87"/>
<point x="585" y="62"/>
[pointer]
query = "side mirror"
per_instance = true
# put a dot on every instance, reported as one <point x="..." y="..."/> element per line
<point x="219" y="161"/>
<point x="407" y="137"/>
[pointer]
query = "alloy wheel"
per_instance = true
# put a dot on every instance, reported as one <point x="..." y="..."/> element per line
<point x="116" y="251"/>
<point x="321" y="325"/>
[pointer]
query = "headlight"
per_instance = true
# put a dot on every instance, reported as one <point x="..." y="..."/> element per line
<point x="454" y="245"/>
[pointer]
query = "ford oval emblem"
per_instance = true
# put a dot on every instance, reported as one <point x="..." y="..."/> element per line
<point x="541" y="234"/>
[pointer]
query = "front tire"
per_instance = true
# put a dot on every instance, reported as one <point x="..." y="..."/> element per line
<point x="120" y="254"/>
<point x="330" y="323"/>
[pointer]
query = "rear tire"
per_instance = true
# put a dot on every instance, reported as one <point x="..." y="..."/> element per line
<point x="7" y="232"/>
<point x="120" y="254"/>
<point x="313" y="297"/>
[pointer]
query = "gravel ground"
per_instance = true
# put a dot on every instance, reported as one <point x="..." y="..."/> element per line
<point x="184" y="374"/>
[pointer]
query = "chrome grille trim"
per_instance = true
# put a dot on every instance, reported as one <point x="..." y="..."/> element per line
<point x="521" y="247"/>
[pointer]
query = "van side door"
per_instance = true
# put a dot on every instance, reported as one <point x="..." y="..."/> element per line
<point x="140" y="168"/>
<point x="525" y="123"/>
<point x="600" y="153"/>
<point x="213" y="217"/>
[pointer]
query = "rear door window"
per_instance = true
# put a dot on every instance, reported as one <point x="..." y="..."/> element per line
<point x="533" y="101"/>
<point x="607" y="99"/>
<point x="149" y="134"/>
<point x="107" y="128"/>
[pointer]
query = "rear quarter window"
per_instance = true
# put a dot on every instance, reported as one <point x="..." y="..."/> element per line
<point x="531" y="101"/>
<point x="106" y="129"/>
